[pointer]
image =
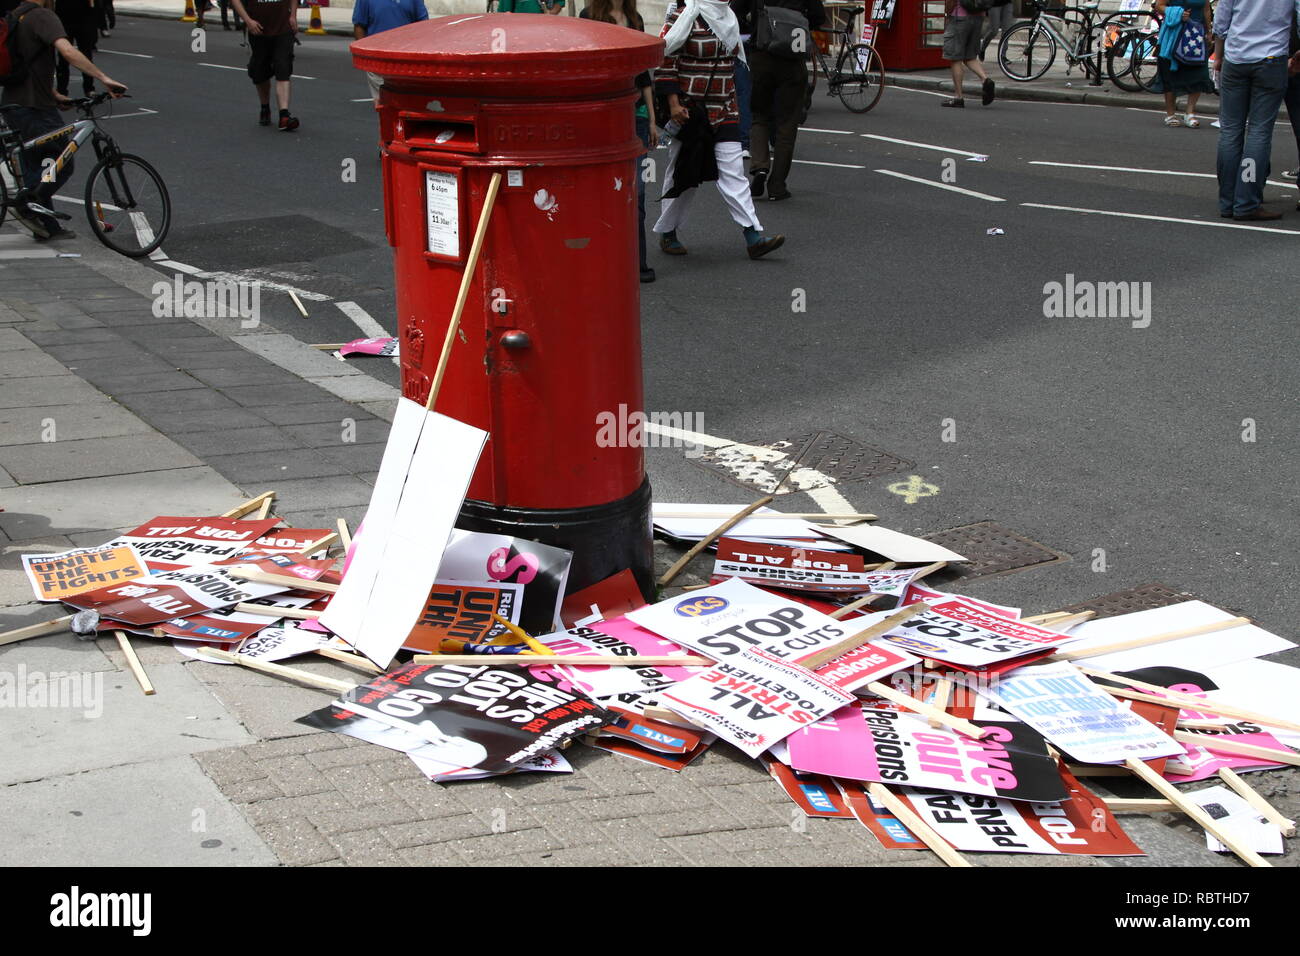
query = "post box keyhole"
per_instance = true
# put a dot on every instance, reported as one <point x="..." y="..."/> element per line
<point x="515" y="339"/>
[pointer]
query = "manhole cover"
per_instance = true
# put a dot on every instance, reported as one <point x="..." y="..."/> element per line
<point x="1144" y="597"/>
<point x="824" y="458"/>
<point x="993" y="549"/>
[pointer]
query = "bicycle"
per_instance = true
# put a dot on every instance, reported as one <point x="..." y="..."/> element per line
<point x="126" y="200"/>
<point x="1129" y="39"/>
<point x="858" y="78"/>
<point x="1028" y="49"/>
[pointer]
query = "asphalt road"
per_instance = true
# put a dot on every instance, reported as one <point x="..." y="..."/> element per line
<point x="1083" y="433"/>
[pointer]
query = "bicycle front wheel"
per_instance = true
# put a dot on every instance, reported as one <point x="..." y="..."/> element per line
<point x="127" y="205"/>
<point x="859" y="77"/>
<point x="1144" y="70"/>
<point x="1026" y="52"/>
<point x="4" y="199"/>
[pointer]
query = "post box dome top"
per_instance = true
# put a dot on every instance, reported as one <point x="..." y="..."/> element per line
<point x="497" y="49"/>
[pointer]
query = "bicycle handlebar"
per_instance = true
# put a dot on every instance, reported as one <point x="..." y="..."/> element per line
<point x="87" y="103"/>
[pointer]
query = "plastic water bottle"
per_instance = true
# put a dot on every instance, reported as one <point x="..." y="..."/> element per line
<point x="670" y="130"/>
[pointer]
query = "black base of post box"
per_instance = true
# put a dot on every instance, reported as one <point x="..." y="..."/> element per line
<point x="604" y="539"/>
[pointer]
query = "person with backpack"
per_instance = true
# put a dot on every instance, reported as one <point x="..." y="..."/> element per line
<point x="32" y="36"/>
<point x="962" y="28"/>
<point x="782" y="40"/>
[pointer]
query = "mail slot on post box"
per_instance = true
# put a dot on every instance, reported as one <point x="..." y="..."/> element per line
<point x="550" y="336"/>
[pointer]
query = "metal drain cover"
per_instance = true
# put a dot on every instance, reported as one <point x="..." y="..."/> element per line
<point x="825" y="458"/>
<point x="993" y="549"/>
<point x="1144" y="597"/>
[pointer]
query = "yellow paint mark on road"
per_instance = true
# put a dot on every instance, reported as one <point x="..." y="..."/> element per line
<point x="914" y="489"/>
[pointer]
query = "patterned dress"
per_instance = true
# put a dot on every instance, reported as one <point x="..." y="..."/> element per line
<point x="1185" y="79"/>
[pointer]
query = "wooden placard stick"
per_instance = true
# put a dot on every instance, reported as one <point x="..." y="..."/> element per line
<point x="811" y="516"/>
<point x="1226" y="745"/>
<point x="297" y="302"/>
<point x="133" y="662"/>
<point x="297" y="613"/>
<point x="264" y="512"/>
<point x="932" y="714"/>
<point x="328" y="346"/>
<point x="247" y="572"/>
<point x="1163" y="695"/>
<point x="277" y="670"/>
<point x="1251" y="796"/>
<point x="1147" y="641"/>
<point x="466" y="280"/>
<point x="1043" y="619"/>
<point x="36" y="630"/>
<point x="345" y="537"/>
<point x="1199" y="724"/>
<point x="324" y="541"/>
<point x="1120" y="805"/>
<point x="922" y="830"/>
<point x="942" y="693"/>
<point x="863" y="601"/>
<point x="716" y="533"/>
<point x="857" y="639"/>
<point x="1203" y="819"/>
<point x="577" y="660"/>
<point x="351" y="660"/>
<point x="252" y="504"/>
<point x="1068" y="621"/>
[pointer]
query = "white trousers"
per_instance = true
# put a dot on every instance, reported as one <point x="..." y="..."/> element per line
<point x="731" y="183"/>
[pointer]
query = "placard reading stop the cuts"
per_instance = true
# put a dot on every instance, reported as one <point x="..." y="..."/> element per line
<point x="442" y="209"/>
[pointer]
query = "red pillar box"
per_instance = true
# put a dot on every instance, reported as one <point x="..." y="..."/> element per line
<point x="550" y="336"/>
<point x="913" y="39"/>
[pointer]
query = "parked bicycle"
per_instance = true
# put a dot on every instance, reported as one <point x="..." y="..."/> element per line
<point x="126" y="200"/>
<point x="858" y="77"/>
<point x="1029" y="48"/>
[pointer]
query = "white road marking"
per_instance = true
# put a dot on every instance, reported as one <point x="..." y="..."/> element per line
<point x="948" y="186"/>
<point x="837" y="132"/>
<point x="140" y="112"/>
<point x="81" y="202"/>
<point x="827" y="496"/>
<point x="813" y="162"/>
<point x="295" y="76"/>
<point x="1152" y="172"/>
<point x="179" y="267"/>
<point x="366" y="323"/>
<point x="142" y="56"/>
<point x="1191" y="222"/>
<point x="222" y="66"/>
<point x="365" y="99"/>
<point x="905" y="89"/>
<point x="1207" y="121"/>
<point x="908" y="142"/>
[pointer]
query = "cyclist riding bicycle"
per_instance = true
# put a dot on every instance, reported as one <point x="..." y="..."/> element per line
<point x="31" y="107"/>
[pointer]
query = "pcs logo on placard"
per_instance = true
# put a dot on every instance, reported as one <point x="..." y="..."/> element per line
<point x="702" y="605"/>
<point x="915" y="644"/>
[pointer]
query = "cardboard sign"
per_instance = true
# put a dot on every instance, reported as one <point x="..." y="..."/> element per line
<point x="279" y="541"/>
<point x="275" y="643"/>
<point x="462" y="611"/>
<point x="228" y="626"/>
<point x="1271" y="688"/>
<point x="795" y="568"/>
<point x="478" y="716"/>
<point x="426" y="469"/>
<point x="377" y="346"/>
<point x="859" y="743"/>
<point x="754" y="699"/>
<point x="1078" y="826"/>
<point x="723" y="620"/>
<point x="439" y="772"/>
<point x="919" y="592"/>
<point x="56" y="576"/>
<point x="170" y="594"/>
<point x="765" y="522"/>
<point x="605" y="599"/>
<point x="650" y="741"/>
<point x="816" y="796"/>
<point x="1238" y="817"/>
<point x="961" y="633"/>
<point x="1077" y="716"/>
<point x="864" y="664"/>
<point x="543" y="572"/>
<point x="892" y="545"/>
<point x="167" y="542"/>
<point x="618" y="636"/>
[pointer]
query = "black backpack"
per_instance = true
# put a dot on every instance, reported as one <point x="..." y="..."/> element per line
<point x="13" y="68"/>
<point x="782" y="32"/>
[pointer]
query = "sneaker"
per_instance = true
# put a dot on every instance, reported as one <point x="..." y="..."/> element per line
<point x="264" y="116"/>
<point x="955" y="104"/>
<point x="765" y="245"/>
<point x="777" y="197"/>
<point x="57" y="235"/>
<point x="1291" y="174"/>
<point x="671" y="246"/>
<point x="288" y="123"/>
<point x="744" y="154"/>
<point x="989" y="92"/>
<point x="758" y="182"/>
<point x="28" y="219"/>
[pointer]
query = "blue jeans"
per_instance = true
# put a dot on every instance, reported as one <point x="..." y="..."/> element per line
<point x="1249" y="97"/>
<point x="744" y="88"/>
<point x="30" y="122"/>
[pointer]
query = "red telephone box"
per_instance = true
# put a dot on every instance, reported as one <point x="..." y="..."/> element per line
<point x="550" y="337"/>
<point x="913" y="40"/>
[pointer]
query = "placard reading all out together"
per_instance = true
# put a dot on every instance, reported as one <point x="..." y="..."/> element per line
<point x="442" y="212"/>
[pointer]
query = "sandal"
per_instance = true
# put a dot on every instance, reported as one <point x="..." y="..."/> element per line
<point x="1191" y="120"/>
<point x="1173" y="121"/>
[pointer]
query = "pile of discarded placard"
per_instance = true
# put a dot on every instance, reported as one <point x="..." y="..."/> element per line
<point x="940" y="721"/>
<point x="934" y="719"/>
